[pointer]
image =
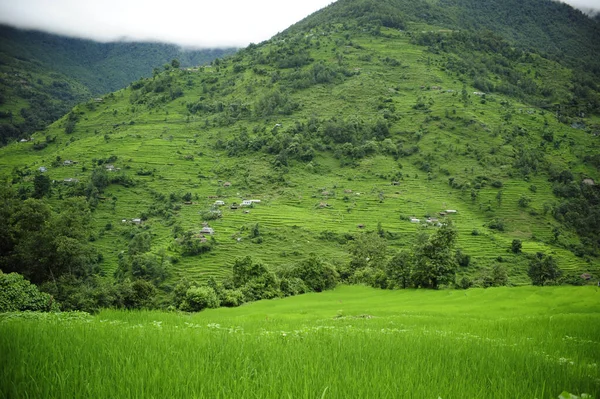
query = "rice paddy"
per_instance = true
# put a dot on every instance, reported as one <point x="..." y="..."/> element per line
<point x="352" y="342"/>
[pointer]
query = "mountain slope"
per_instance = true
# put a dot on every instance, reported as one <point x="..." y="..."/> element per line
<point x="47" y="74"/>
<point x="338" y="130"/>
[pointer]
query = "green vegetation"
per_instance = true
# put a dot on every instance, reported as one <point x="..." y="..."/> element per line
<point x="525" y="342"/>
<point x="42" y="76"/>
<point x="341" y="151"/>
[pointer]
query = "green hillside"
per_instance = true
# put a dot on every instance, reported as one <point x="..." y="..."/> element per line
<point x="44" y="75"/>
<point x="345" y="131"/>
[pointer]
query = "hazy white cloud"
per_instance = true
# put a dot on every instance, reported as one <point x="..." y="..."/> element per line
<point x="584" y="5"/>
<point x="199" y="23"/>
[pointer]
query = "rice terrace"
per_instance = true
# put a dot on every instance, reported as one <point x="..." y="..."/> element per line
<point x="387" y="199"/>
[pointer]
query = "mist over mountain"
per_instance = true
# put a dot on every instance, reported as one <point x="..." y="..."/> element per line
<point x="44" y="75"/>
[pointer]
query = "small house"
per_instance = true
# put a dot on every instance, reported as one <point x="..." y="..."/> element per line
<point x="450" y="211"/>
<point x="255" y="201"/>
<point x="395" y="183"/>
<point x="71" y="180"/>
<point x="219" y="203"/>
<point x="234" y="206"/>
<point x="247" y="203"/>
<point x="207" y="230"/>
<point x="415" y="220"/>
<point x="110" y="168"/>
<point x="589" y="182"/>
<point x="479" y="93"/>
<point x="68" y="162"/>
<point x="136" y="221"/>
<point x="227" y="184"/>
<point x="43" y="169"/>
<point x="586" y="276"/>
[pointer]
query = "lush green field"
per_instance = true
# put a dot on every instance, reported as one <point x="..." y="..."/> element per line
<point x="353" y="342"/>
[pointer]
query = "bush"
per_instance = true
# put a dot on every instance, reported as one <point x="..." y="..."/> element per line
<point x="317" y="275"/>
<point x="516" y="246"/>
<point x="18" y="294"/>
<point x="497" y="224"/>
<point x="231" y="298"/>
<point x="465" y="283"/>
<point x="290" y="286"/>
<point x="462" y="259"/>
<point x="199" y="298"/>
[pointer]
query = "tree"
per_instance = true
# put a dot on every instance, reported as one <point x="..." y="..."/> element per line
<point x="399" y="269"/>
<point x="41" y="185"/>
<point x="543" y="270"/>
<point x="199" y="298"/>
<point x="317" y="275"/>
<point x="434" y="261"/>
<point x="140" y="243"/>
<point x="516" y="246"/>
<point x="368" y="249"/>
<point x="18" y="294"/>
<point x="45" y="244"/>
<point x="175" y="63"/>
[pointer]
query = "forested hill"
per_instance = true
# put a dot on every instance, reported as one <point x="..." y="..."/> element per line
<point x="101" y="67"/>
<point x="546" y="26"/>
<point x="44" y="75"/>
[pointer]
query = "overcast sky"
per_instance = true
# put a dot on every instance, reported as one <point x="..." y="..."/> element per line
<point x="196" y="23"/>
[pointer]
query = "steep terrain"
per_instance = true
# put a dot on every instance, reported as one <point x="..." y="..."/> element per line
<point x="342" y="125"/>
<point x="45" y="75"/>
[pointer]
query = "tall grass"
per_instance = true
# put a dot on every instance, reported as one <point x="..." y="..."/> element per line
<point x="353" y="342"/>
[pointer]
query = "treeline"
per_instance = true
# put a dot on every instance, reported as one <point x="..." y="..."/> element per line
<point x="348" y="139"/>
<point x="494" y="66"/>
<point x="66" y="271"/>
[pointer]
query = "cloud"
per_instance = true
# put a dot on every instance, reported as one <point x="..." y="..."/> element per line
<point x="587" y="6"/>
<point x="195" y="23"/>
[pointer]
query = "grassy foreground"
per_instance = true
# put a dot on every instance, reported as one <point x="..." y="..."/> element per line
<point x="353" y="342"/>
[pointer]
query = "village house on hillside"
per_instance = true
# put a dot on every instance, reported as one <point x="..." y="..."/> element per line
<point x="111" y="168"/>
<point x="207" y="230"/>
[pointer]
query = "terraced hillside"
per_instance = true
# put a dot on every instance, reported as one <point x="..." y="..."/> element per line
<point x="337" y="130"/>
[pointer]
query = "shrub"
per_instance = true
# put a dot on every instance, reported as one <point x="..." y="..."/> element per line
<point x="462" y="259"/>
<point x="317" y="275"/>
<point x="231" y="298"/>
<point x="199" y="298"/>
<point x="516" y="246"/>
<point x="18" y="294"/>
<point x="290" y="286"/>
<point x="497" y="224"/>
<point x="465" y="283"/>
